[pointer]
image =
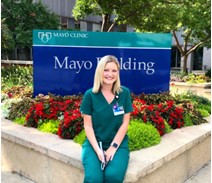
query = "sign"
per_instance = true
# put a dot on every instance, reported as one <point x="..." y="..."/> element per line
<point x="64" y="62"/>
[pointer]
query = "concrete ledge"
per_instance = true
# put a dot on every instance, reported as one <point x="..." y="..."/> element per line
<point x="46" y="158"/>
<point x="200" y="85"/>
<point x="19" y="62"/>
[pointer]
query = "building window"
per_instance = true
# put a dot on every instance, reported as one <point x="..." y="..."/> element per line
<point x="197" y="58"/>
<point x="175" y="57"/>
<point x="89" y="26"/>
<point x="77" y="25"/>
<point x="64" y="22"/>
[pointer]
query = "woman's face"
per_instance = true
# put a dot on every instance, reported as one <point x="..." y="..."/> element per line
<point x="110" y="73"/>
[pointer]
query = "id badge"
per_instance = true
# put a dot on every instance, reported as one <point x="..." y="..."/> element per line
<point x="118" y="110"/>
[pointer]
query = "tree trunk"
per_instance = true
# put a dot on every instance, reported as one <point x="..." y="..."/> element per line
<point x="184" y="60"/>
<point x="27" y="53"/>
<point x="107" y="25"/>
<point x="104" y="23"/>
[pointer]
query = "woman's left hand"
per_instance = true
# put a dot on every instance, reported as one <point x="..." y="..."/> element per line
<point x="110" y="152"/>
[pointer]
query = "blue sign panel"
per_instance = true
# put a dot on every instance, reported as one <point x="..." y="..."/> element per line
<point x="65" y="61"/>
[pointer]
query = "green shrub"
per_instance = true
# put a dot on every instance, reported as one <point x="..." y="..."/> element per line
<point x="196" y="117"/>
<point x="80" y="138"/>
<point x="168" y="128"/>
<point x="49" y="126"/>
<point x="20" y="120"/>
<point x="191" y="103"/>
<point x="187" y="119"/>
<point x="142" y="135"/>
<point x="203" y="112"/>
<point x="196" y="99"/>
<point x="205" y="107"/>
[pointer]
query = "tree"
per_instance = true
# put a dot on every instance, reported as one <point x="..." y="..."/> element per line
<point x="83" y="8"/>
<point x="112" y="12"/>
<point x="22" y="16"/>
<point x="192" y="17"/>
<point x="7" y="42"/>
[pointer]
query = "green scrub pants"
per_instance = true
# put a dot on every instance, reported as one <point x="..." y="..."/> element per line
<point x="114" y="172"/>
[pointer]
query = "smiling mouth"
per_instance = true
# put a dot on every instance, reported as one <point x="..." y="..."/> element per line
<point x="109" y="78"/>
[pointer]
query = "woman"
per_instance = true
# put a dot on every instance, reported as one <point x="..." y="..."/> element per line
<point x="106" y="113"/>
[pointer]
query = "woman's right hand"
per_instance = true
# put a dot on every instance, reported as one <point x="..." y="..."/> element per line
<point x="100" y="155"/>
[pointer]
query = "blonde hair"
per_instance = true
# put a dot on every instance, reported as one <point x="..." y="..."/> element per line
<point x="99" y="72"/>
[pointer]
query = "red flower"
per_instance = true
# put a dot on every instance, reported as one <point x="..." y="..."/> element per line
<point x="59" y="131"/>
<point x="150" y="107"/>
<point x="10" y="95"/>
<point x="170" y="103"/>
<point x="145" y="118"/>
<point x="39" y="109"/>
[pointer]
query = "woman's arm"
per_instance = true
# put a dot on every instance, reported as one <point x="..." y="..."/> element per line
<point x="91" y="136"/>
<point x="119" y="137"/>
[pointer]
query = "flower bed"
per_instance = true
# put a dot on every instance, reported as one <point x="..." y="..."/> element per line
<point x="163" y="111"/>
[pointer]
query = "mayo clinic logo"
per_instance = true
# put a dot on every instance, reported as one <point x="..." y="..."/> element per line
<point x="44" y="36"/>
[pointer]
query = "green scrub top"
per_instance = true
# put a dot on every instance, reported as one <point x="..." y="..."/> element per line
<point x="105" y="123"/>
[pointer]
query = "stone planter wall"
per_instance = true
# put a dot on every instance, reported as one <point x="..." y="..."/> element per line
<point x="203" y="89"/>
<point x="45" y="158"/>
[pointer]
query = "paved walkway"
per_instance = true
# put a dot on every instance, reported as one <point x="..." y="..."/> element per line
<point x="8" y="176"/>
<point x="202" y="176"/>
